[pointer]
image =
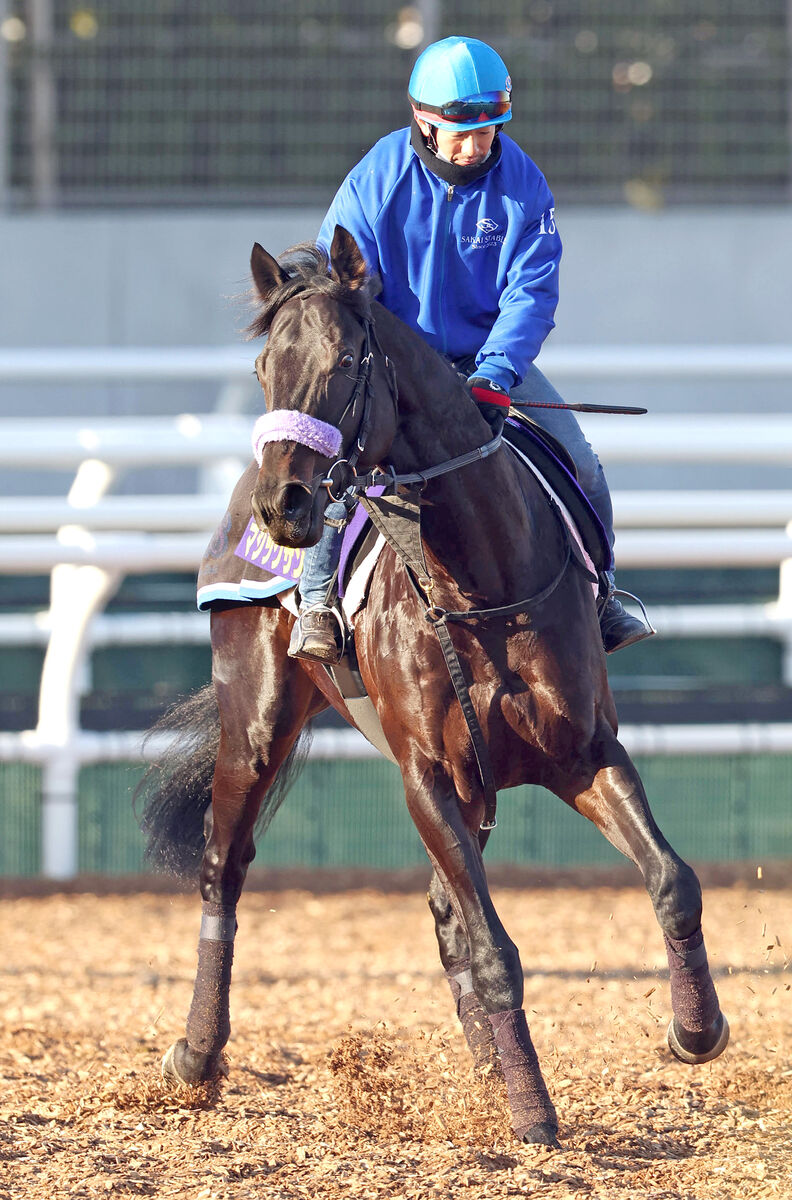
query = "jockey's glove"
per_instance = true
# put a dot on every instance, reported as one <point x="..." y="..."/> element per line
<point x="492" y="400"/>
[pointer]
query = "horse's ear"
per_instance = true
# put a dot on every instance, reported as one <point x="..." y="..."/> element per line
<point x="349" y="265"/>
<point x="267" y="274"/>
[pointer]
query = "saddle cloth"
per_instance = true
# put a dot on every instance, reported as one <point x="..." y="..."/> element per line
<point x="242" y="564"/>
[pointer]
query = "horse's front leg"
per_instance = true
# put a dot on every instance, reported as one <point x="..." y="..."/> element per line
<point x="449" y="833"/>
<point x="264" y="700"/>
<point x="610" y="793"/>
<point x="455" y="957"/>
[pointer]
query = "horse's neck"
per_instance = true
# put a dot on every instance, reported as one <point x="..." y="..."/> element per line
<point x="432" y="399"/>
<point x="480" y="531"/>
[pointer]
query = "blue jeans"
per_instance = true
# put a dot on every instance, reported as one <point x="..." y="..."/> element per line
<point x="321" y="559"/>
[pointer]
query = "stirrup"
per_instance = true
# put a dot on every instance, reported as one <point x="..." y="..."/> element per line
<point x="635" y="631"/>
<point x="650" y="629"/>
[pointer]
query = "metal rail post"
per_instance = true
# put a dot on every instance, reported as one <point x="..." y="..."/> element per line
<point x="76" y="594"/>
<point x="5" y="122"/>
<point x="43" y="105"/>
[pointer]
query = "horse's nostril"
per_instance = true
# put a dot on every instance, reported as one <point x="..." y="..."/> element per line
<point x="294" y="500"/>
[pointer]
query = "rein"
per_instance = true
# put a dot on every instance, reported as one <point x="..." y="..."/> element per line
<point x="390" y="479"/>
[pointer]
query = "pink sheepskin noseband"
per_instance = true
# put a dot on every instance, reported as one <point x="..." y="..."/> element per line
<point x="287" y="425"/>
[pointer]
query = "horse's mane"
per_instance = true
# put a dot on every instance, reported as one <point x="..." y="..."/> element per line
<point x="307" y="269"/>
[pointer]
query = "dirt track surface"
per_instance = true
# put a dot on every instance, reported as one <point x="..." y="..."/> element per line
<point x="348" y="1076"/>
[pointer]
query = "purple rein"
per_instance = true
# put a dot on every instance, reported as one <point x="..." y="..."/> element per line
<point x="288" y="425"/>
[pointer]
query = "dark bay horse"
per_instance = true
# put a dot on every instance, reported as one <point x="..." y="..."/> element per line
<point x="537" y="678"/>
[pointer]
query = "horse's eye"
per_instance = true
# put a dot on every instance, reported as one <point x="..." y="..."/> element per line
<point x="346" y="362"/>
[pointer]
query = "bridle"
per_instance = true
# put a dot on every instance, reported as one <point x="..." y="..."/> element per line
<point x="341" y="477"/>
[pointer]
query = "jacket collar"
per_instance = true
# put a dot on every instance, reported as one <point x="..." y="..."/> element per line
<point x="450" y="172"/>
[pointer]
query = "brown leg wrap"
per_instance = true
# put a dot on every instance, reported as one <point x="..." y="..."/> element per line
<point x="529" y="1099"/>
<point x="209" y="1023"/>
<point x="475" y="1025"/>
<point x="693" y="996"/>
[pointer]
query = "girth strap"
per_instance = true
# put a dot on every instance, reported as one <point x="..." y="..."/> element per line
<point x="437" y="615"/>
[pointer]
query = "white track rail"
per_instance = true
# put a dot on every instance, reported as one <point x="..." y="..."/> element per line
<point x="63" y="443"/>
<point x="333" y="745"/>
<point x="229" y="363"/>
<point x="200" y="513"/>
<point x="157" y="629"/>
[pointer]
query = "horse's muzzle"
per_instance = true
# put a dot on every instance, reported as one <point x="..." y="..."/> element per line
<point x="292" y="513"/>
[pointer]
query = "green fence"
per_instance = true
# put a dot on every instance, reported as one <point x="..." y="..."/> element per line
<point x="20" y="821"/>
<point x="164" y="101"/>
<point x="352" y="814"/>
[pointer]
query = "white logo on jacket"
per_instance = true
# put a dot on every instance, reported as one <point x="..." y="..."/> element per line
<point x="487" y="236"/>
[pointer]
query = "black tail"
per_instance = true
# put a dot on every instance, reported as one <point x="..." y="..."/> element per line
<point x="177" y="788"/>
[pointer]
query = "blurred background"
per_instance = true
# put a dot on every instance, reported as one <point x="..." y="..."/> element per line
<point x="145" y="146"/>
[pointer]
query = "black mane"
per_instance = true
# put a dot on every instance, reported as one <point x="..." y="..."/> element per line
<point x="308" y="273"/>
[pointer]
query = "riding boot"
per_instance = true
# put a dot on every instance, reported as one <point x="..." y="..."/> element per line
<point x="619" y="628"/>
<point x="317" y="635"/>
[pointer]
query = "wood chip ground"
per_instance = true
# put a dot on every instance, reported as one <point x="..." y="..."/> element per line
<point x="347" y="1074"/>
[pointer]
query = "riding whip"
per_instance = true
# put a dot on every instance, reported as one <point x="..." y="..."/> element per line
<point x="584" y="408"/>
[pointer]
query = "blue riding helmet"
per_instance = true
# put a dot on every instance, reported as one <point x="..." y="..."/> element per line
<point x="460" y="83"/>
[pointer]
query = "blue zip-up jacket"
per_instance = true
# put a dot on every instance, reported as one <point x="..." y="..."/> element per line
<point x="472" y="267"/>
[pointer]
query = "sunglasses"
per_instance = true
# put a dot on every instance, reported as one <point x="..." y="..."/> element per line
<point x="483" y="110"/>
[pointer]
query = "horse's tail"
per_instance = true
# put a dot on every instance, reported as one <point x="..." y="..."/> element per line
<point x="176" y="789"/>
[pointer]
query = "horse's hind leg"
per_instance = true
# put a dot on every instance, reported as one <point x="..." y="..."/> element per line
<point x="455" y="957"/>
<point x="614" y="799"/>
<point x="449" y="833"/>
<point x="264" y="701"/>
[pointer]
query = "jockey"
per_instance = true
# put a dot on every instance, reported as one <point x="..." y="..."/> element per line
<point x="460" y="225"/>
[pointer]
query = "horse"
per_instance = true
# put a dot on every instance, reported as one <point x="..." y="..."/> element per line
<point x="337" y="359"/>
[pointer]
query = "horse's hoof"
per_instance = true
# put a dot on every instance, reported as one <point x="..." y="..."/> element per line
<point x="698" y="1047"/>
<point x="186" y="1067"/>
<point x="543" y="1134"/>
